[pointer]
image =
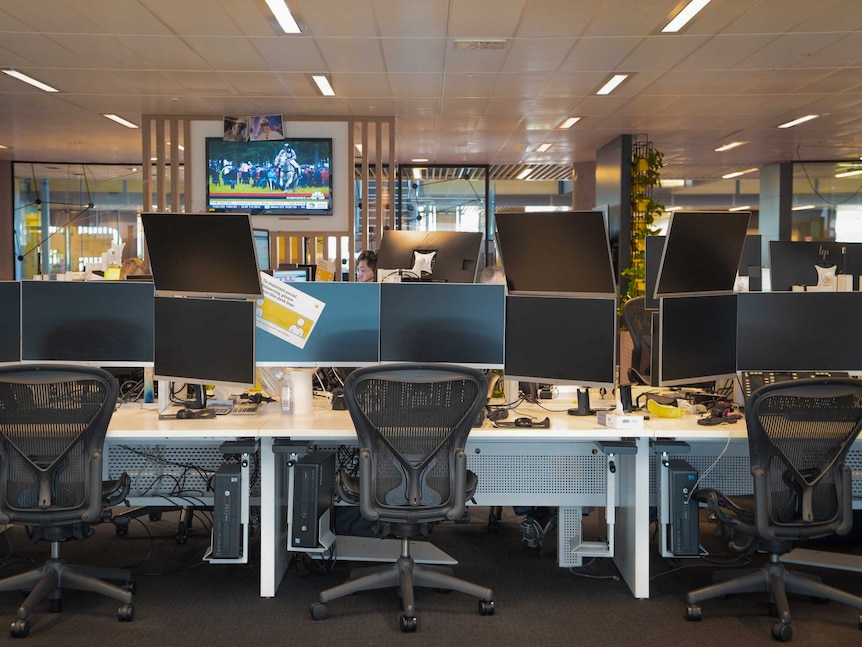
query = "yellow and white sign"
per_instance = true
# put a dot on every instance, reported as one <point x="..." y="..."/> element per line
<point x="286" y="312"/>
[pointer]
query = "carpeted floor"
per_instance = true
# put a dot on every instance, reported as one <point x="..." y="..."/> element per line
<point x="181" y="601"/>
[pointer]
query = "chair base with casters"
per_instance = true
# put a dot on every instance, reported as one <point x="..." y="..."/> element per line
<point x="404" y="574"/>
<point x="778" y="582"/>
<point x="48" y="582"/>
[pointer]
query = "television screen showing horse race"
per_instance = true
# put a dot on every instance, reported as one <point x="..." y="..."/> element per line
<point x="286" y="177"/>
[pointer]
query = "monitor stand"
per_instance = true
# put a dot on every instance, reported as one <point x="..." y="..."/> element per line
<point x="200" y="397"/>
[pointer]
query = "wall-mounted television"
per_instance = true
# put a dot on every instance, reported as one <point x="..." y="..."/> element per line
<point x="287" y="177"/>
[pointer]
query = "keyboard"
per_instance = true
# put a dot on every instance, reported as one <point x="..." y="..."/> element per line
<point x="245" y="408"/>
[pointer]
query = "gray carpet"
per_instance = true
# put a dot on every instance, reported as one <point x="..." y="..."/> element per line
<point x="181" y="601"/>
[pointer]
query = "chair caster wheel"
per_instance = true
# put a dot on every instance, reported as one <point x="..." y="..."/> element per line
<point x="20" y="628"/>
<point x="126" y="613"/>
<point x="155" y="516"/>
<point x="486" y="607"/>
<point x="318" y="611"/>
<point x="693" y="612"/>
<point x="782" y="632"/>
<point x="407" y="625"/>
<point x="121" y="531"/>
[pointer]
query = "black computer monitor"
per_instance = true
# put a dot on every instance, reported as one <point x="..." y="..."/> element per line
<point x="347" y="333"/>
<point x="10" y="322"/>
<point x="556" y="252"/>
<point x="790" y="331"/>
<point x="697" y="339"/>
<point x="653" y="250"/>
<point x="442" y="256"/>
<point x="793" y="262"/>
<point x="261" y="245"/>
<point x="101" y="323"/>
<point x="208" y="341"/>
<point x="442" y="322"/>
<point x="751" y="259"/>
<point x="701" y="252"/>
<point x="202" y="254"/>
<point x="561" y="340"/>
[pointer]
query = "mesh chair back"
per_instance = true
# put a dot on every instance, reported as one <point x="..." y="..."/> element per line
<point x="799" y="435"/>
<point x="412" y="423"/>
<point x="53" y="421"/>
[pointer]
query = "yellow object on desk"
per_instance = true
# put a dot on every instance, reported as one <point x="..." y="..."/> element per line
<point x="663" y="410"/>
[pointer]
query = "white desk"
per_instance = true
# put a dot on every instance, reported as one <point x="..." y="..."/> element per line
<point x="560" y="466"/>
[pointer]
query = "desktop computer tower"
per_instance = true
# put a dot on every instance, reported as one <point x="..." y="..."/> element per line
<point x="683" y="528"/>
<point x="227" y="512"/>
<point x="313" y="485"/>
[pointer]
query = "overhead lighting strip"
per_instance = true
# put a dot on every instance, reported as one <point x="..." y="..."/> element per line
<point x="121" y="121"/>
<point x="282" y="14"/>
<point x="612" y="84"/>
<point x="323" y="85"/>
<point x="796" y="122"/>
<point x="683" y="17"/>
<point x="15" y="74"/>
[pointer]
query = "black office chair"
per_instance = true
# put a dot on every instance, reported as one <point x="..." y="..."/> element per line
<point x="799" y="434"/>
<point x="53" y="421"/>
<point x="638" y="322"/>
<point x="412" y="422"/>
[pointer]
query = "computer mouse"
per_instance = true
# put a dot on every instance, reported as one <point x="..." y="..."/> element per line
<point x="183" y="414"/>
<point x="523" y="422"/>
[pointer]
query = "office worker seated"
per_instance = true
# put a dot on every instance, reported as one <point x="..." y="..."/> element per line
<point x="366" y="267"/>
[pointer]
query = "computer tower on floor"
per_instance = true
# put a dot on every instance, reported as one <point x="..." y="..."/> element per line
<point x="683" y="528"/>
<point x="313" y="486"/>
<point x="227" y="512"/>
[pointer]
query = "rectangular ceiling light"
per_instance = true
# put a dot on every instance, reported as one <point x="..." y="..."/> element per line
<point x="523" y="174"/>
<point x="745" y="208"/>
<point x="737" y="173"/>
<point x="541" y="148"/>
<point x="568" y="123"/>
<point x="323" y="85"/>
<point x="803" y="207"/>
<point x="121" y="121"/>
<point x="417" y="173"/>
<point x="681" y="19"/>
<point x="796" y="122"/>
<point x="282" y="14"/>
<point x="849" y="173"/>
<point x="29" y="79"/>
<point x="728" y="146"/>
<point x="611" y="85"/>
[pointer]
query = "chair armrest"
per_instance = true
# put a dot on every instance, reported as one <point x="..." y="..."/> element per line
<point x="115" y="492"/>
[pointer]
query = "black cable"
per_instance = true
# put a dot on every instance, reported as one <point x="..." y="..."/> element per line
<point x="57" y="230"/>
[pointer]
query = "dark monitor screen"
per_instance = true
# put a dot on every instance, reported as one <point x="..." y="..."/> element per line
<point x="561" y="339"/>
<point x="286" y="177"/>
<point x="10" y="321"/>
<point x="701" y="252"/>
<point x="346" y="334"/>
<point x="261" y="245"/>
<point x="438" y="322"/>
<point x="103" y="323"/>
<point x="697" y="339"/>
<point x="209" y="341"/>
<point x="202" y="254"/>
<point x="788" y="331"/>
<point x="557" y="252"/>
<point x="652" y="259"/>
<point x="443" y="256"/>
<point x="751" y="259"/>
<point x="793" y="262"/>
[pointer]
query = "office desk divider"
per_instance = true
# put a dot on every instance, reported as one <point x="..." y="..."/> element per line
<point x="347" y="333"/>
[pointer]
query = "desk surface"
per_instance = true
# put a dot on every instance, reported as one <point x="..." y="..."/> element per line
<point x="135" y="421"/>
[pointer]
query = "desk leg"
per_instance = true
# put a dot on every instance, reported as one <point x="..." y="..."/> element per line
<point x="273" y="546"/>
<point x="631" y="553"/>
